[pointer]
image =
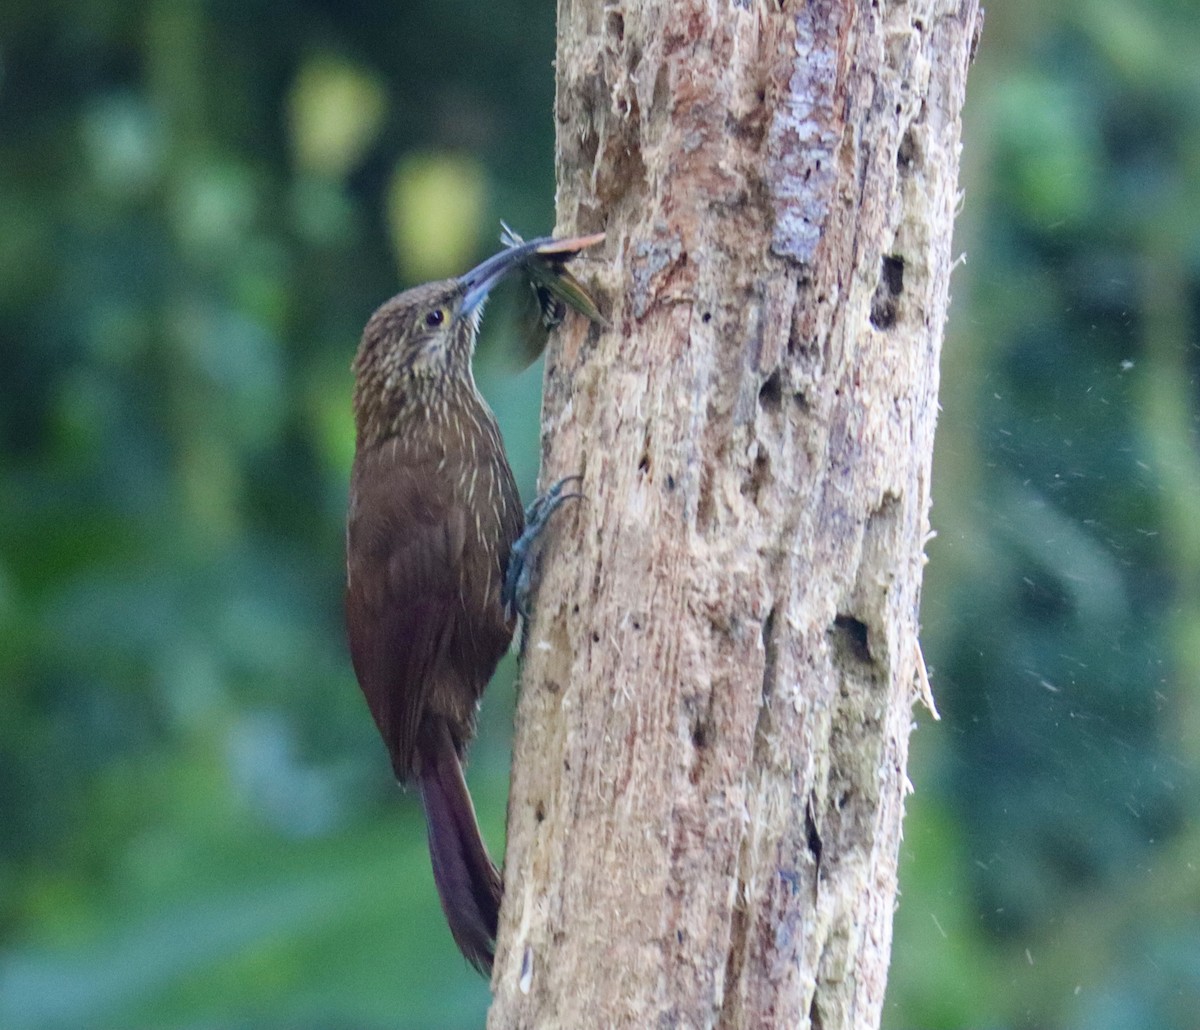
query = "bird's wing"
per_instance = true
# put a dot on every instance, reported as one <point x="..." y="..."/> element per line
<point x="404" y="549"/>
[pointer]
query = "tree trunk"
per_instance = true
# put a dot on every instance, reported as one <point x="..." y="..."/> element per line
<point x="712" y="733"/>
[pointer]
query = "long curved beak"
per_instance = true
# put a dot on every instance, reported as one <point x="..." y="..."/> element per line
<point x="555" y="253"/>
<point x="478" y="282"/>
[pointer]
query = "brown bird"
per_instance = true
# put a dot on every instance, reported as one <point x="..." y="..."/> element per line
<point x="434" y="548"/>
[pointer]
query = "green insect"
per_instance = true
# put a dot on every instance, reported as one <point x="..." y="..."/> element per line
<point x="552" y="287"/>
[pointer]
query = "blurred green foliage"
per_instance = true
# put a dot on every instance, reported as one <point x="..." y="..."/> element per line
<point x="1049" y="874"/>
<point x="200" y="204"/>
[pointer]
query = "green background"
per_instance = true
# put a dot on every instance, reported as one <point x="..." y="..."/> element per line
<point x="200" y="204"/>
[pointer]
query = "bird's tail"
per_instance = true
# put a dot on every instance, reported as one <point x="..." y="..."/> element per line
<point x="468" y="883"/>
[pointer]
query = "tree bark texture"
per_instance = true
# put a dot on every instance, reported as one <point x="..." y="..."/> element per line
<point x="717" y="693"/>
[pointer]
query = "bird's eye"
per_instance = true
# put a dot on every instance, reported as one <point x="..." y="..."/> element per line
<point x="435" y="318"/>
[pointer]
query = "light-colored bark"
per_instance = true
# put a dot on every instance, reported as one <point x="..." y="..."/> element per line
<point x="709" y="767"/>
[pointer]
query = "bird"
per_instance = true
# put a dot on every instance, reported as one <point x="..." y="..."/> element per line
<point x="436" y="542"/>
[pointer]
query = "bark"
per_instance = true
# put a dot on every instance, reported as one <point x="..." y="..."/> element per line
<point x="712" y="732"/>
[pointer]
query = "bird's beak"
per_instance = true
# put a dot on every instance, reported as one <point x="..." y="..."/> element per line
<point x="478" y="282"/>
<point x="546" y="271"/>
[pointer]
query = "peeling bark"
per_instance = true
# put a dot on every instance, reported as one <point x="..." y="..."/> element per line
<point x="712" y="733"/>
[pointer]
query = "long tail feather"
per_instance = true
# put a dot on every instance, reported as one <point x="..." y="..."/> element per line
<point x="468" y="882"/>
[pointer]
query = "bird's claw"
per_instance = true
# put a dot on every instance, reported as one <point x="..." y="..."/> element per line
<point x="516" y="591"/>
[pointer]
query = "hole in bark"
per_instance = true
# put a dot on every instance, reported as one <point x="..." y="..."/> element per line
<point x="815" y="1021"/>
<point x="762" y="727"/>
<point x="811" y="837"/>
<point x="700" y="734"/>
<point x="850" y="637"/>
<point x="539" y="812"/>
<point x="644" y="462"/>
<point x="760" y="475"/>
<point x="771" y="391"/>
<point x="908" y="154"/>
<point x="704" y="503"/>
<point x="892" y="274"/>
<point x="588" y="146"/>
<point x="660" y="99"/>
<point x="770" y="655"/>
<point x="670" y="482"/>
<point x="706" y="317"/>
<point x="595" y="637"/>
<point x="886" y="302"/>
<point x="616" y="25"/>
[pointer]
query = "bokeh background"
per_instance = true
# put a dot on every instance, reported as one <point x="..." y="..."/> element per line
<point x="200" y="204"/>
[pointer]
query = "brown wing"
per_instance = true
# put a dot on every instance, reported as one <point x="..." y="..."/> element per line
<point x="483" y="632"/>
<point x="423" y="616"/>
<point x="404" y="541"/>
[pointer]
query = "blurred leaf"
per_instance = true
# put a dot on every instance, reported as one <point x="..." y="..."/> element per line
<point x="435" y="207"/>
<point x="336" y="111"/>
<point x="214" y="204"/>
<point x="1048" y="127"/>
<point x="124" y="144"/>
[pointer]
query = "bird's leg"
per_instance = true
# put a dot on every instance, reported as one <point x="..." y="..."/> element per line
<point x="515" y="593"/>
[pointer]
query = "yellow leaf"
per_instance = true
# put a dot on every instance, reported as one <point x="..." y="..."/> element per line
<point x="436" y="202"/>
<point x="335" y="113"/>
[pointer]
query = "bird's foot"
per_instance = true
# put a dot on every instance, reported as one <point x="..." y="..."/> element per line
<point x="517" y="590"/>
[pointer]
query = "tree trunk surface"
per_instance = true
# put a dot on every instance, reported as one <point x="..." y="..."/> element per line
<point x="712" y="733"/>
